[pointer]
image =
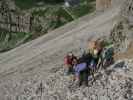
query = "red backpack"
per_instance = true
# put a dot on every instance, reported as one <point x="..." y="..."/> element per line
<point x="68" y="60"/>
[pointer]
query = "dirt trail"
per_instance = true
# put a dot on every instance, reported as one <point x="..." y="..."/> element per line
<point x="37" y="51"/>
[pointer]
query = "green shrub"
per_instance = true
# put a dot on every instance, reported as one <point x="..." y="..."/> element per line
<point x="53" y="1"/>
<point x="11" y="40"/>
<point x="26" y="4"/>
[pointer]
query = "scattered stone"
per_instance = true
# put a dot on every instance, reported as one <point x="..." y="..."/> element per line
<point x="112" y="85"/>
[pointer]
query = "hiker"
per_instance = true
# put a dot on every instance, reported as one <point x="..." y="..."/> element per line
<point x="81" y="72"/>
<point x="95" y="50"/>
<point x="68" y="62"/>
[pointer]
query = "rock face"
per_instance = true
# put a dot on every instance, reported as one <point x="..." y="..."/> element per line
<point x="13" y="20"/>
<point x="103" y="4"/>
<point x="121" y="34"/>
<point x="127" y="11"/>
<point x="38" y="20"/>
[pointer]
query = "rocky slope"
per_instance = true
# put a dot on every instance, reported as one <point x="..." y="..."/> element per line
<point x="122" y="35"/>
<point x="103" y="4"/>
<point x="36" y="20"/>
<point x="127" y="11"/>
<point x="34" y="71"/>
<point x="19" y="26"/>
<point x="113" y="83"/>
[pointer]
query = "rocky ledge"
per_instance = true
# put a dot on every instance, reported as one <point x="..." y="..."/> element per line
<point x="112" y="83"/>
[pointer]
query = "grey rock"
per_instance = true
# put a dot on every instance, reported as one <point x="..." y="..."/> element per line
<point x="13" y="20"/>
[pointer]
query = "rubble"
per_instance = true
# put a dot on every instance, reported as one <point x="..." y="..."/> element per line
<point x="114" y="83"/>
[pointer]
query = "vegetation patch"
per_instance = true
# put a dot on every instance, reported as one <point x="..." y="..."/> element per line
<point x="80" y="10"/>
<point x="27" y="4"/>
<point x="58" y="15"/>
<point x="11" y="40"/>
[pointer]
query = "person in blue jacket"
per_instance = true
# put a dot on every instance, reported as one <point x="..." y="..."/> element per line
<point x="81" y="72"/>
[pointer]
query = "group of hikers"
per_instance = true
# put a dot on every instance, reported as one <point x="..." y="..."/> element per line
<point x="85" y="66"/>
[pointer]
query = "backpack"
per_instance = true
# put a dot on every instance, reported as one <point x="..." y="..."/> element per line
<point x="107" y="55"/>
<point x="68" y="60"/>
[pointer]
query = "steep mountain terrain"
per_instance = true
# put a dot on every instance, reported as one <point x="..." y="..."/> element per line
<point x="34" y="71"/>
<point x="25" y="20"/>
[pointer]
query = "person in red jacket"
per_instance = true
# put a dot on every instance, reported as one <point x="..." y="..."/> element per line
<point x="68" y="62"/>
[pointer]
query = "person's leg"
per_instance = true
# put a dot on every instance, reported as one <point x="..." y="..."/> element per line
<point x="85" y="76"/>
<point x="80" y="78"/>
<point x="91" y="73"/>
<point x="71" y="70"/>
<point x="67" y="69"/>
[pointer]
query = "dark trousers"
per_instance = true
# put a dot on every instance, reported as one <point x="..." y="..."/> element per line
<point x="83" y="77"/>
<point x="69" y="70"/>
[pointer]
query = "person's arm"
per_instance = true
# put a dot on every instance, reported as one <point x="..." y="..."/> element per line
<point x="99" y="63"/>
